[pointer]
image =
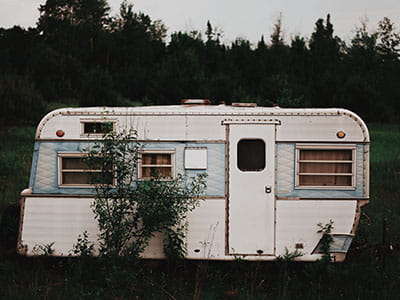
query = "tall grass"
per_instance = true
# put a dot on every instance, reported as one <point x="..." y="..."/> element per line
<point x="16" y="147"/>
<point x="384" y="184"/>
<point x="372" y="273"/>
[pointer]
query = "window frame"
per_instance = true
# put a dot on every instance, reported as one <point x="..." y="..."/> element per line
<point x="95" y="134"/>
<point x="156" y="151"/>
<point x="351" y="147"/>
<point x="60" y="157"/>
<point x="238" y="158"/>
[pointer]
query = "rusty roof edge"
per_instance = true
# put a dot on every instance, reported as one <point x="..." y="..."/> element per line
<point x="358" y="120"/>
<point x="219" y="110"/>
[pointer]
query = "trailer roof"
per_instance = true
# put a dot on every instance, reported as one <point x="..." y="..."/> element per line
<point x="202" y="110"/>
<point x="199" y="109"/>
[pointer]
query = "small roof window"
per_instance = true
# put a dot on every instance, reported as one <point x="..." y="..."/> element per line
<point x="97" y="127"/>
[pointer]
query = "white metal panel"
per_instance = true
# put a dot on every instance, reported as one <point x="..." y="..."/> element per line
<point x="319" y="129"/>
<point x="196" y="158"/>
<point x="251" y="209"/>
<point x="204" y="128"/>
<point x="203" y="122"/>
<point x="205" y="238"/>
<point x="61" y="220"/>
<point x="296" y="222"/>
<point x="71" y="126"/>
<point x="161" y="128"/>
<point x="58" y="221"/>
<point x="206" y="231"/>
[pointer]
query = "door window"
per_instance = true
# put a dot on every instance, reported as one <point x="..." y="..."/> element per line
<point x="251" y="155"/>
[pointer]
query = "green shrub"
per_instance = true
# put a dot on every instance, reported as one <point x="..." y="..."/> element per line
<point x="130" y="211"/>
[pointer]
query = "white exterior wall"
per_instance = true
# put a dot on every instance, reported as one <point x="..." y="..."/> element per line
<point x="62" y="220"/>
<point x="296" y="222"/>
<point x="204" y="123"/>
<point x="56" y="220"/>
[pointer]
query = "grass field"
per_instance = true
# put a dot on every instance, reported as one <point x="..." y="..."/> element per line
<point x="370" y="272"/>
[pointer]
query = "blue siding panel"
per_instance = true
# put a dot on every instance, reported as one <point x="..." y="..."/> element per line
<point x="286" y="166"/>
<point x="44" y="178"/>
<point x="34" y="163"/>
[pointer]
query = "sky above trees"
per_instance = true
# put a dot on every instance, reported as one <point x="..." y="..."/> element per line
<point x="236" y="18"/>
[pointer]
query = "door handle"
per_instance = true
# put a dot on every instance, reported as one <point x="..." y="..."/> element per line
<point x="268" y="189"/>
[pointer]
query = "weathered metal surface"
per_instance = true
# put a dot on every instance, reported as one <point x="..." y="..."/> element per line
<point x="204" y="122"/>
<point x="56" y="221"/>
<point x="297" y="222"/>
<point x="251" y="207"/>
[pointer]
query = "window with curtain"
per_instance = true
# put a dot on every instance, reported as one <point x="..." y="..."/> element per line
<point x="156" y="164"/>
<point x="324" y="167"/>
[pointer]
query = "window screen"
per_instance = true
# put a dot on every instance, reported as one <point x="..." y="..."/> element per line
<point x="325" y="167"/>
<point x="251" y="155"/>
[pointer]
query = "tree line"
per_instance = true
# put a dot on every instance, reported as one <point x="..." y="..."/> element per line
<point x="80" y="55"/>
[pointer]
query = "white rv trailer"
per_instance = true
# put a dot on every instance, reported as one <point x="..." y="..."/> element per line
<point x="273" y="175"/>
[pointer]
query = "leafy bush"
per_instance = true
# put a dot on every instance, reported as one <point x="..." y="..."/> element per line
<point x="130" y="211"/>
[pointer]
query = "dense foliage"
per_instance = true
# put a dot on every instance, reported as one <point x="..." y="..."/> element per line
<point x="131" y="211"/>
<point x="78" y="54"/>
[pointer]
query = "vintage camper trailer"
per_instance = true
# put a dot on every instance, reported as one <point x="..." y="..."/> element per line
<point x="307" y="166"/>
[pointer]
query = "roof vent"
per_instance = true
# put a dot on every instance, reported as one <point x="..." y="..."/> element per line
<point x="196" y="101"/>
<point x="241" y="104"/>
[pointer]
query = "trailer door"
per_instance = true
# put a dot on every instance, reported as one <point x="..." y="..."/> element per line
<point x="251" y="200"/>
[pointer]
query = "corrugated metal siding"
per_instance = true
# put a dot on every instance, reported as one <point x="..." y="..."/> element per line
<point x="206" y="231"/>
<point x="296" y="222"/>
<point x="58" y="221"/>
<point x="46" y="179"/>
<point x="286" y="164"/>
<point x="62" y="220"/>
<point x="205" y="237"/>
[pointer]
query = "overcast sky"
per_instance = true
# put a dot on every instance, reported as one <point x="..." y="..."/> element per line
<point x="236" y="18"/>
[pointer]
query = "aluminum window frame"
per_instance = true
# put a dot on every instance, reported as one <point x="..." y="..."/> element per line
<point x="60" y="157"/>
<point x="94" y="120"/>
<point x="351" y="147"/>
<point x="171" y="152"/>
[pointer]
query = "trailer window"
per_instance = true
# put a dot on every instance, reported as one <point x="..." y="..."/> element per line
<point x="75" y="172"/>
<point x="325" y="167"/>
<point x="97" y="127"/>
<point x="251" y="155"/>
<point x="156" y="164"/>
